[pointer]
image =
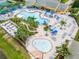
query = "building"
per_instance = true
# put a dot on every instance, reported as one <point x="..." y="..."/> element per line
<point x="49" y="4"/>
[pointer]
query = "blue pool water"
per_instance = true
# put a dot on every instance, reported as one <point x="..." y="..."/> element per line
<point x="9" y="9"/>
<point x="40" y="20"/>
<point x="42" y="45"/>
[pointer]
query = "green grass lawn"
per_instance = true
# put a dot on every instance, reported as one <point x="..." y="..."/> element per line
<point x="10" y="51"/>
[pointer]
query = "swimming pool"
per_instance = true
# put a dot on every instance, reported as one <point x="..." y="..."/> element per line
<point x="26" y="14"/>
<point x="10" y="7"/>
<point x="42" y="45"/>
<point x="3" y="3"/>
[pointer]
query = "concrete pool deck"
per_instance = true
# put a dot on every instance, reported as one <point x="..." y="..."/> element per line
<point x="67" y="31"/>
<point x="35" y="52"/>
<point x="42" y="45"/>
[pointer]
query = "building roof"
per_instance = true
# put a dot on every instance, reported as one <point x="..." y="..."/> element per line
<point x="49" y="3"/>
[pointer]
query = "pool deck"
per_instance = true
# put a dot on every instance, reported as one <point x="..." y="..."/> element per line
<point x="67" y="32"/>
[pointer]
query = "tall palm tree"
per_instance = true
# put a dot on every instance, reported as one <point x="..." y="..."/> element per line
<point x="31" y="21"/>
<point x="22" y="33"/>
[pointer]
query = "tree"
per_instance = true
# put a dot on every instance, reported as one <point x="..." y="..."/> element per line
<point x="22" y="33"/>
<point x="63" y="1"/>
<point x="63" y="51"/>
<point x="75" y="7"/>
<point x="74" y="10"/>
<point x="62" y="22"/>
<point x="16" y="20"/>
<point x="21" y="1"/>
<point x="75" y="4"/>
<point x="46" y="28"/>
<point x="31" y="21"/>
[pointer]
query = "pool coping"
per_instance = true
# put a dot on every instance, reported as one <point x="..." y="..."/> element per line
<point x="43" y="39"/>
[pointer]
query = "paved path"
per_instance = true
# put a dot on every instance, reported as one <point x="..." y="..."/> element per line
<point x="74" y="49"/>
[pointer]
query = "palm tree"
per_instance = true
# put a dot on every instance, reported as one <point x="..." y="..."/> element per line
<point x="46" y="28"/>
<point x="31" y="21"/>
<point x="62" y="22"/>
<point x="16" y="20"/>
<point x="62" y="51"/>
<point x="22" y="33"/>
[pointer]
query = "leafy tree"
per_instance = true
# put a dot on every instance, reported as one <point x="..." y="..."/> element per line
<point x="63" y="1"/>
<point x="62" y="22"/>
<point x="75" y="7"/>
<point x="75" y="4"/>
